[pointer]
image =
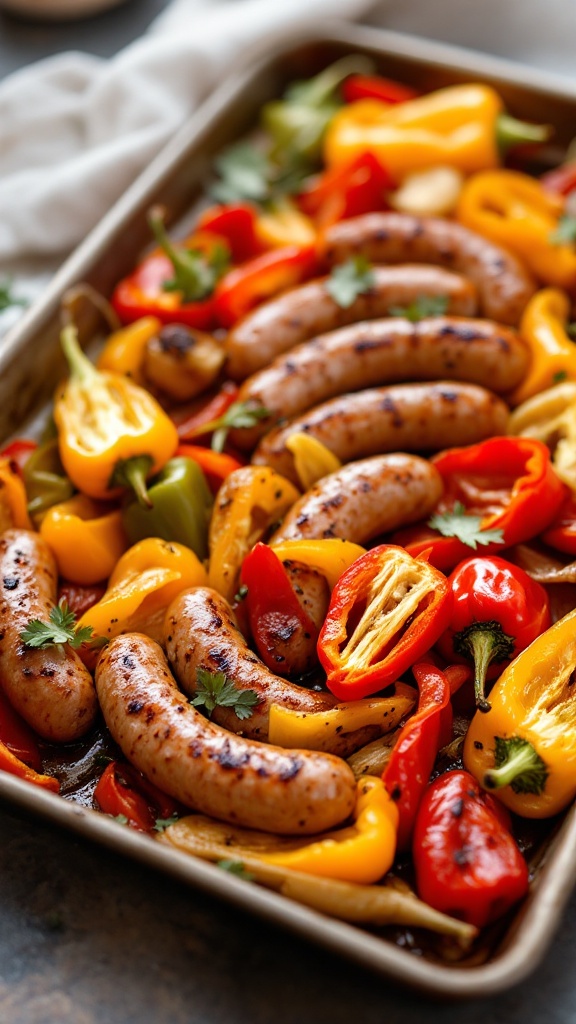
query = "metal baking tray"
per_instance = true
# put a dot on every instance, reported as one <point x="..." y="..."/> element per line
<point x="31" y="364"/>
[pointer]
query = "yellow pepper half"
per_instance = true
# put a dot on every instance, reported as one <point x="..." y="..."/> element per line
<point x="543" y="328"/>
<point x="124" y="350"/>
<point x="86" y="539"/>
<point x="145" y="581"/>
<point x="319" y="730"/>
<point x="454" y="126"/>
<point x="312" y="459"/>
<point x="285" y="224"/>
<point x="13" y="499"/>
<point x="111" y="432"/>
<point x="331" y="556"/>
<point x="515" y="211"/>
<point x="249" y="501"/>
<point x="524" y="747"/>
<point x="550" y="417"/>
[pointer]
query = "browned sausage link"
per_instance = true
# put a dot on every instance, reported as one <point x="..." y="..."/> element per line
<point x="504" y="285"/>
<point x="380" y="352"/>
<point x="303" y="312"/>
<point x="401" y="417"/>
<point x="50" y="688"/>
<point x="200" y="632"/>
<point x="365" y="499"/>
<point x="296" y="792"/>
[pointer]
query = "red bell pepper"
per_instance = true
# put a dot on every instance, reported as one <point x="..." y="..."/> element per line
<point x="347" y="190"/>
<point x="80" y="598"/>
<point x="275" y="615"/>
<point x="375" y="87"/>
<point x="467" y="862"/>
<point x="216" y="466"/>
<point x="414" y="753"/>
<point x="193" y="426"/>
<point x="386" y="610"/>
<point x="14" y="766"/>
<point x="498" y="610"/>
<point x="561" y="180"/>
<point x="235" y="223"/>
<point x="17" y="735"/>
<point x="18" y="452"/>
<point x="561" y="534"/>
<point x="261" y="278"/>
<point x="507" y="482"/>
<point x="122" y="790"/>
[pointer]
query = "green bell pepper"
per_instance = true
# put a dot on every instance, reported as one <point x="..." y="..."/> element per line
<point x="45" y="479"/>
<point x="181" y="507"/>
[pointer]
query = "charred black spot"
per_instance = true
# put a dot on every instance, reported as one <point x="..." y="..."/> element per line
<point x="331" y="503"/>
<point x="262" y="772"/>
<point x="290" y="769"/>
<point x="302" y="520"/>
<point x="388" y="405"/>
<point x="228" y="758"/>
<point x="150" y="714"/>
<point x="368" y="344"/>
<point x="478" y="745"/>
<point x="449" y="396"/>
<point x="135" y="707"/>
<point x="220" y="658"/>
<point x="463" y="856"/>
<point x="176" y="339"/>
<point x="396" y="793"/>
<point x="128" y="662"/>
<point x="462" y="332"/>
<point x="290" y="367"/>
<point x="457" y="808"/>
<point x="11" y="582"/>
<point x="47" y="672"/>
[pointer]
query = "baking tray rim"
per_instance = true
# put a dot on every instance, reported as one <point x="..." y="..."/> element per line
<point x="540" y="918"/>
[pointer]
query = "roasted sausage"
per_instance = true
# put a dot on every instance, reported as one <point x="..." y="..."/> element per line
<point x="365" y="499"/>
<point x="504" y="285"/>
<point x="49" y="687"/>
<point x="380" y="352"/>
<point x="303" y="312"/>
<point x="401" y="417"/>
<point x="200" y="632"/>
<point x="295" y="792"/>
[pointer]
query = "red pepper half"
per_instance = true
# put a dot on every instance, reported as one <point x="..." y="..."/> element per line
<point x="375" y="87"/>
<point x="386" y="610"/>
<point x="235" y="223"/>
<point x="275" y="271"/>
<point x="122" y="790"/>
<point x="14" y="766"/>
<point x="509" y="482"/>
<point x="467" y="862"/>
<point x="498" y="610"/>
<point x="347" y="190"/>
<point x="561" y="534"/>
<point x="275" y="615"/>
<point x="408" y="771"/>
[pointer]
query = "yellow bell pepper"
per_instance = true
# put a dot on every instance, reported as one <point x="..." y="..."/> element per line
<point x="312" y="459"/>
<point x="13" y="499"/>
<point x="461" y="126"/>
<point x="124" y="350"/>
<point x="543" y="328"/>
<point x="144" y="582"/>
<point x="515" y="211"/>
<point x="249" y="501"/>
<point x="283" y="225"/>
<point x="319" y="730"/>
<point x="524" y="748"/>
<point x="363" y="853"/>
<point x="550" y="417"/>
<point x="86" y="539"/>
<point x="111" y="433"/>
<point x="331" y="556"/>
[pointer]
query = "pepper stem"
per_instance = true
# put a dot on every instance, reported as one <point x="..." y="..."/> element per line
<point x="318" y="90"/>
<point x="511" y="132"/>
<point x="81" y="369"/>
<point x="132" y="473"/>
<point x="192" y="275"/>
<point x="483" y="642"/>
<point x="517" y="765"/>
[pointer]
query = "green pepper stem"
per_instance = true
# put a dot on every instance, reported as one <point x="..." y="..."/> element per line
<point x="81" y="369"/>
<point x="318" y="90"/>
<point x="511" y="132"/>
<point x="133" y="473"/>
<point x="517" y="764"/>
<point x="191" y="276"/>
<point x="483" y="642"/>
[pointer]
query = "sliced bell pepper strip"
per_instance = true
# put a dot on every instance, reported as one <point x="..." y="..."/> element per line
<point x="376" y="87"/>
<point x="498" y="610"/>
<point x="284" y="223"/>
<point x="544" y="329"/>
<point x="467" y="862"/>
<point x="261" y="278"/>
<point x="181" y="507"/>
<point x="347" y="190"/>
<point x="13" y="497"/>
<point x="17" y="736"/>
<point x="123" y="351"/>
<point x="216" y="466"/>
<point x="236" y="224"/>
<point x="85" y="538"/>
<point x="193" y="426"/>
<point x="123" y="791"/>
<point x="561" y="534"/>
<point x="14" y="766"/>
<point x="414" y="753"/>
<point x="386" y="610"/>
<point x="45" y="479"/>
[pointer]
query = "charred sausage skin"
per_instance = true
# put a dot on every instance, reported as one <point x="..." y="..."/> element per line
<point x="294" y="792"/>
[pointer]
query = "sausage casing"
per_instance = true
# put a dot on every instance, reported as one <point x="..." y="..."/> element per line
<point x="49" y="687"/>
<point x="295" y="792"/>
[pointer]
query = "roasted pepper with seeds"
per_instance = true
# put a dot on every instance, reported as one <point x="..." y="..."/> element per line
<point x="111" y="433"/>
<point x="86" y="538"/>
<point x="462" y="126"/>
<point x="524" y="748"/>
<point x="515" y="211"/>
<point x="181" y="507"/>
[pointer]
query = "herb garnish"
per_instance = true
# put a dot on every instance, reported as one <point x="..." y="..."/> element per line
<point x="349" y="280"/>
<point x="467" y="528"/>
<point x="248" y="174"/>
<point x="216" y="690"/>
<point x="422" y="307"/>
<point x="238" y="415"/>
<point x="565" y="233"/>
<point x="59" y="630"/>
<point x="7" y="298"/>
<point x="235" y="867"/>
<point x="161" y="823"/>
<point x="196" y="272"/>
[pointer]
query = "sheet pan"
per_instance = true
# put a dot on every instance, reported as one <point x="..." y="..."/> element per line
<point x="31" y="364"/>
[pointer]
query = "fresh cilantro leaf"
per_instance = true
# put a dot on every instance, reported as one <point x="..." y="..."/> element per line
<point x="244" y="172"/>
<point x="7" y="298"/>
<point x="349" y="280"/>
<point x="423" y="306"/>
<point x="120" y="818"/>
<point x="235" y="867"/>
<point x="565" y="233"/>
<point x="60" y="629"/>
<point x="216" y="690"/>
<point x="466" y="528"/>
<point x="196" y="272"/>
<point x="241" y="593"/>
<point x="238" y="415"/>
<point x="161" y="823"/>
<point x="558" y="377"/>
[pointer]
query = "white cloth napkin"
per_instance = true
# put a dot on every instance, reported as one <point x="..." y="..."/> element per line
<point x="75" y="130"/>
